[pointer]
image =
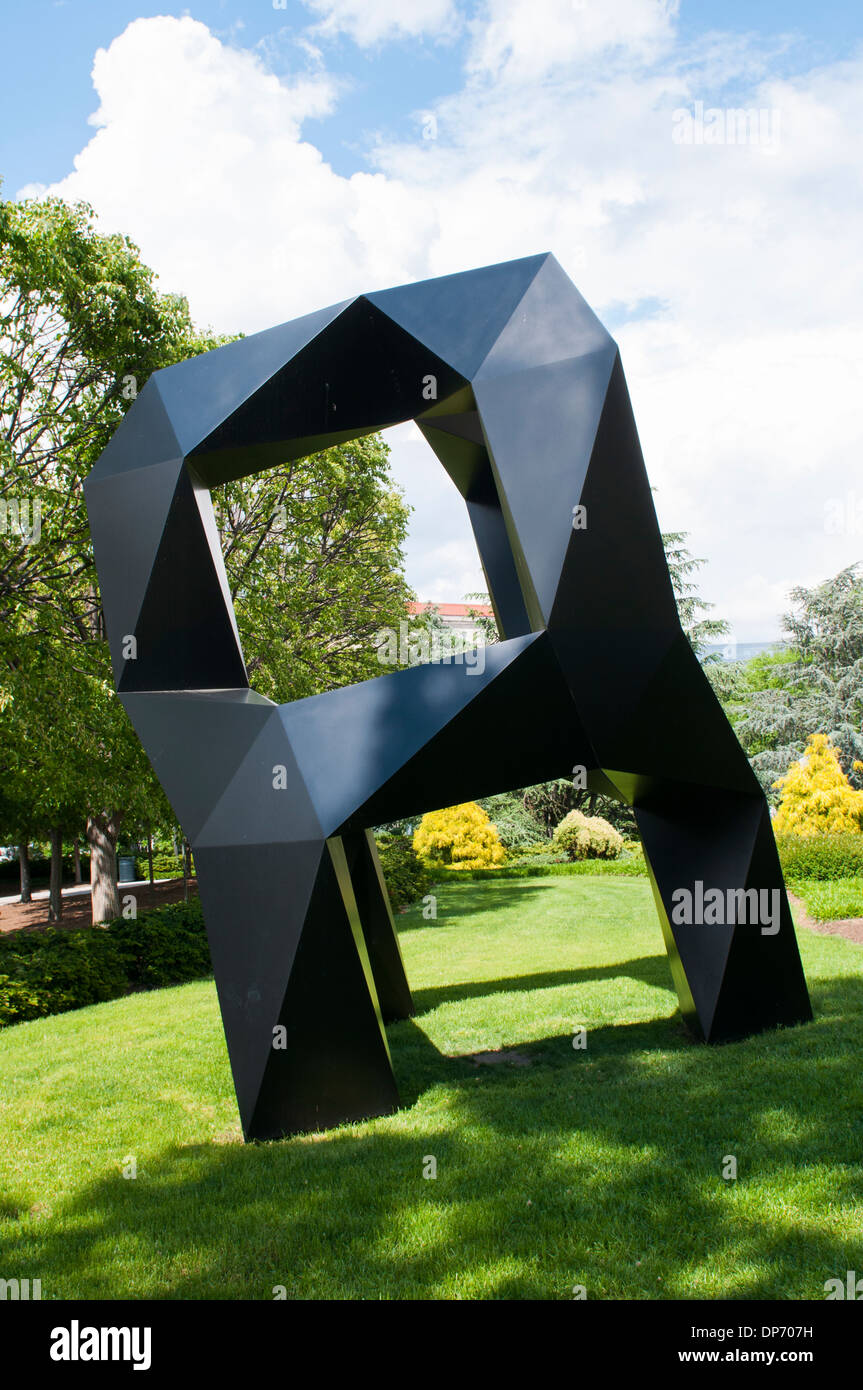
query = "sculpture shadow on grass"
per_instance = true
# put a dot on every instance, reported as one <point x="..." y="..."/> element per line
<point x="619" y="1154"/>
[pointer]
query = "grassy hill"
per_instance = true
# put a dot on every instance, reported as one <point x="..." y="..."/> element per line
<point x="555" y="1167"/>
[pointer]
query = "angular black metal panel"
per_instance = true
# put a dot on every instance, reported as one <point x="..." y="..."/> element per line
<point x="335" y="1065"/>
<point x="459" y="443"/>
<point x="541" y="427"/>
<point x="197" y="741"/>
<point x="145" y="436"/>
<point x="205" y="391"/>
<point x="378" y="925"/>
<point x="257" y="900"/>
<point x="520" y="391"/>
<point x="186" y="634"/>
<point x="128" y="512"/>
<point x="460" y="317"/>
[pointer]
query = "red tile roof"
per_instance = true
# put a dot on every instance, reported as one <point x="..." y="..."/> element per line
<point x="453" y="610"/>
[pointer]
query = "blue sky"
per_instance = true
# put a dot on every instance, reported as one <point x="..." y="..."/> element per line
<point x="271" y="160"/>
<point x="57" y="39"/>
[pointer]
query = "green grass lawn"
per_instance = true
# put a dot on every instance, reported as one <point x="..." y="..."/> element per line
<point x="599" y="1168"/>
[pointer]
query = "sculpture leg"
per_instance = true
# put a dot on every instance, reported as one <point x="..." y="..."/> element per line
<point x="302" y="1021"/>
<point x="378" y="924"/>
<point x="724" y="912"/>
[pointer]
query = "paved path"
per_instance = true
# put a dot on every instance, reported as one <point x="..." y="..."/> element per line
<point x="15" y="915"/>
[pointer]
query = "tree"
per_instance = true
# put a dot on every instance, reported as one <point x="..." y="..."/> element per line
<point x="699" y="630"/>
<point x="549" y="802"/>
<point x="817" y="798"/>
<point x="313" y="548"/>
<point x="30" y="730"/>
<point x="70" y="757"/>
<point x="81" y="328"/>
<point x="483" y="621"/>
<point x="814" y="687"/>
<point x="313" y="552"/>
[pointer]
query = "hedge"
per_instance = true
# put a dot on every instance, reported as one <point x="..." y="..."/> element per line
<point x="614" y="868"/>
<point x="821" y="856"/>
<point x="51" y="971"/>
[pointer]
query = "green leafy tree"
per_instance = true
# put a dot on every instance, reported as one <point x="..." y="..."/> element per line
<point x="313" y="552"/>
<point x="82" y="326"/>
<point x="68" y="748"/>
<point x="691" y="607"/>
<point x="484" y="622"/>
<point x="778" y="702"/>
<point x="313" y="549"/>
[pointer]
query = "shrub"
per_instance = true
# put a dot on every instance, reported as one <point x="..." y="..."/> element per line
<point x="632" y="854"/>
<point x="51" y="971"/>
<point x="165" y="865"/>
<point x="587" y="837"/>
<point x="405" y="875"/>
<point x="164" y="947"/>
<point x="820" y="856"/>
<point x="541" y="852"/>
<point x="40" y="868"/>
<point x="17" y="1001"/>
<point x="461" y="836"/>
<point x="612" y="868"/>
<point x="817" y="798"/>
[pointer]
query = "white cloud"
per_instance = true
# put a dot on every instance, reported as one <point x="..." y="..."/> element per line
<point x="521" y="42"/>
<point x="370" y="22"/>
<point x="744" y="372"/>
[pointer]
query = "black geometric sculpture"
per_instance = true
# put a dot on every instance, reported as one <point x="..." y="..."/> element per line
<point x="520" y="392"/>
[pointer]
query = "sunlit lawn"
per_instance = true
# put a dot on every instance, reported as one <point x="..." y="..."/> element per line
<point x="599" y="1168"/>
<point x="826" y="899"/>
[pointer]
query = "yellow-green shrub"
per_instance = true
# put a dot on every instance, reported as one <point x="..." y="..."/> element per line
<point x="817" y="798"/>
<point x="587" y="837"/>
<point x="461" y="836"/>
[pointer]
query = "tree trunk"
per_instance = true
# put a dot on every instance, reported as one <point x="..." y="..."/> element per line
<point x="55" y="890"/>
<point x="24" y="866"/>
<point x="185" y="870"/>
<point x="102" y="839"/>
<point x="77" y="850"/>
<point x="150" y="857"/>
